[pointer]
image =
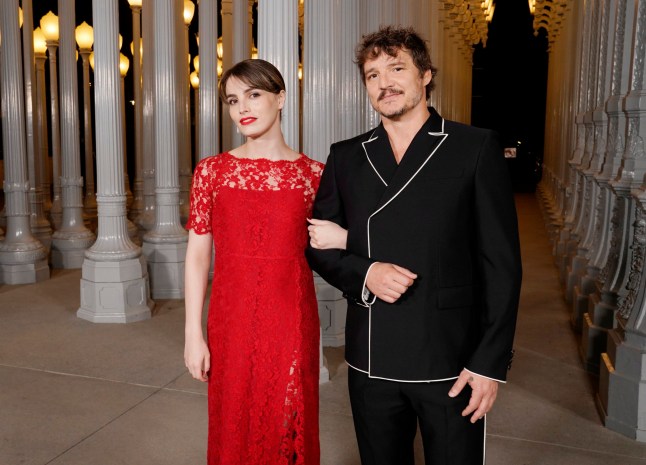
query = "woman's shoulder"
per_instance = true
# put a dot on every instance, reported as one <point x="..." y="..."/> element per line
<point x="315" y="166"/>
<point x="210" y="162"/>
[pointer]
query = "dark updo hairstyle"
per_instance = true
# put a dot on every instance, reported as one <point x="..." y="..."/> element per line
<point x="390" y="40"/>
<point x="257" y="74"/>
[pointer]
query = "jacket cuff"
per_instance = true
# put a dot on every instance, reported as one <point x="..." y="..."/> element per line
<point x="367" y="297"/>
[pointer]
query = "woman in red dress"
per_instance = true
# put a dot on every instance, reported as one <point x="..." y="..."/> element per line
<point x="261" y="354"/>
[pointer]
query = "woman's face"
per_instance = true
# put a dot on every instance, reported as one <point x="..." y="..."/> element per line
<point x="254" y="111"/>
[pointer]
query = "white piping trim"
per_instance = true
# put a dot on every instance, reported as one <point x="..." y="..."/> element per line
<point x="365" y="280"/>
<point x="407" y="183"/>
<point x="369" y="160"/>
<point x="483" y="376"/>
<point x="400" y="380"/>
<point x="370" y="252"/>
<point x="484" y="441"/>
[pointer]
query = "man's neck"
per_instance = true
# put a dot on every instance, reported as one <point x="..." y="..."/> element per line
<point x="401" y="131"/>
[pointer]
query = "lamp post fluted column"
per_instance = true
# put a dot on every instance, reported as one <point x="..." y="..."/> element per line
<point x="137" y="208"/>
<point x="185" y="165"/>
<point x="147" y="219"/>
<point x="208" y="88"/>
<point x="40" y="226"/>
<point x="114" y="285"/>
<point x="40" y="53"/>
<point x="49" y="25"/>
<point x="22" y="256"/>
<point x="84" y="39"/>
<point x="165" y="245"/>
<point x="278" y="44"/>
<point x="72" y="238"/>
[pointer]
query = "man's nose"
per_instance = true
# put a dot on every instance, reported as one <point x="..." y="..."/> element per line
<point x="384" y="81"/>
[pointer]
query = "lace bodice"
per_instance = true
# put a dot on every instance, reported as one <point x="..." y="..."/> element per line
<point x="226" y="170"/>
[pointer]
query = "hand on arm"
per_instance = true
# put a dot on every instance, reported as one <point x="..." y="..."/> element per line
<point x="483" y="394"/>
<point x="198" y="263"/>
<point x="388" y="282"/>
<point x="327" y="235"/>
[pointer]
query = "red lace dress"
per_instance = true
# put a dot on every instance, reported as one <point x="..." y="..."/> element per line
<point x="263" y="326"/>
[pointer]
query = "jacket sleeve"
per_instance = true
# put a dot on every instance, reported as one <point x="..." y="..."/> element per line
<point x="341" y="268"/>
<point x="498" y="260"/>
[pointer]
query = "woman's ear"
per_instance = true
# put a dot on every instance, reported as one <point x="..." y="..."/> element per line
<point x="281" y="99"/>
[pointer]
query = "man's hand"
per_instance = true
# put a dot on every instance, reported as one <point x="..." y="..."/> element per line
<point x="388" y="282"/>
<point x="483" y="395"/>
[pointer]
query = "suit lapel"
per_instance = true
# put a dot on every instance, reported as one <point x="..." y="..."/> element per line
<point x="380" y="155"/>
<point x="424" y="145"/>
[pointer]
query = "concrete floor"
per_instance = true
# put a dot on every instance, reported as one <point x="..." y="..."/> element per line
<point x="76" y="393"/>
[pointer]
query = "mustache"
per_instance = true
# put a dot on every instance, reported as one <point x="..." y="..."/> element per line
<point x="386" y="92"/>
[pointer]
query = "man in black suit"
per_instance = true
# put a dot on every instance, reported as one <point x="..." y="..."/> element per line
<point x="431" y="268"/>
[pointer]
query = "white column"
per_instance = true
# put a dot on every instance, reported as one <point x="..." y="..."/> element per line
<point x="43" y="143"/>
<point x="165" y="245"/>
<point x="72" y="239"/>
<point x="89" y="203"/>
<point x="278" y="44"/>
<point x="22" y="256"/>
<point x="56" y="210"/>
<point x="241" y="49"/>
<point x="40" y="226"/>
<point x="114" y="283"/>
<point x="208" y="92"/>
<point x="137" y="209"/>
<point x="184" y="120"/>
<point x="228" y="127"/>
<point x="133" y="232"/>
<point x="370" y="21"/>
<point x="147" y="220"/>
<point x="352" y="91"/>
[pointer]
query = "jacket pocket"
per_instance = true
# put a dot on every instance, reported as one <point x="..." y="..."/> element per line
<point x="457" y="296"/>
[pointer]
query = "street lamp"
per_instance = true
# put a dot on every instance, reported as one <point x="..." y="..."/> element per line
<point x="49" y="26"/>
<point x="124" y="64"/>
<point x="85" y="40"/>
<point x="40" y="55"/>
<point x="137" y="208"/>
<point x="195" y="84"/>
<point x="189" y="11"/>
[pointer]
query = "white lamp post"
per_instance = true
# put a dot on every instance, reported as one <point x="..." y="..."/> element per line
<point x="49" y="26"/>
<point x="85" y="39"/>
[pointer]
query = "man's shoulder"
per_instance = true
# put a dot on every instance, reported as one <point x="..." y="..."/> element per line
<point x="352" y="142"/>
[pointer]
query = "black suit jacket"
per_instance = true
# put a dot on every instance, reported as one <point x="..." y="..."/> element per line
<point x="446" y="212"/>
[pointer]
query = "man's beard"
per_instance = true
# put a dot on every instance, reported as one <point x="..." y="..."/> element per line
<point x="396" y="113"/>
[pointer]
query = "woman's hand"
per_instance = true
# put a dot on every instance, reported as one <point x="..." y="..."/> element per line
<point x="197" y="357"/>
<point x="327" y="235"/>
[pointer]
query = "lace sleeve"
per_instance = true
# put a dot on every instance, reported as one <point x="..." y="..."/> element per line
<point x="199" y="219"/>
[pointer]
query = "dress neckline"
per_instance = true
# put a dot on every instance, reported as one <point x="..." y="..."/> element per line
<point x="301" y="156"/>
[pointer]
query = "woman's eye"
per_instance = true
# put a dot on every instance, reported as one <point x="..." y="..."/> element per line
<point x="232" y="101"/>
<point x="254" y="94"/>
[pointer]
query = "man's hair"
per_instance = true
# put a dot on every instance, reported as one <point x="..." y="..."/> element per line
<point x="390" y="40"/>
<point x="257" y="74"/>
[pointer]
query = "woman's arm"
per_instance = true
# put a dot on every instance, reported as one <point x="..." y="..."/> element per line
<point x="196" y="274"/>
<point x="327" y="235"/>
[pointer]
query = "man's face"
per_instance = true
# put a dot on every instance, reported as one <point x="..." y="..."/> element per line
<point x="394" y="84"/>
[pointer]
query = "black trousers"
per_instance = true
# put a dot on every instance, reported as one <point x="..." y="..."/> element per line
<point x="386" y="415"/>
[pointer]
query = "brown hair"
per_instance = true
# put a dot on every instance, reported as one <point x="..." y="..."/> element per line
<point x="390" y="40"/>
<point x="257" y="74"/>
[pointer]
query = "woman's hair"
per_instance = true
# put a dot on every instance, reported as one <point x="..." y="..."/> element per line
<point x="257" y="74"/>
<point x="390" y="40"/>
